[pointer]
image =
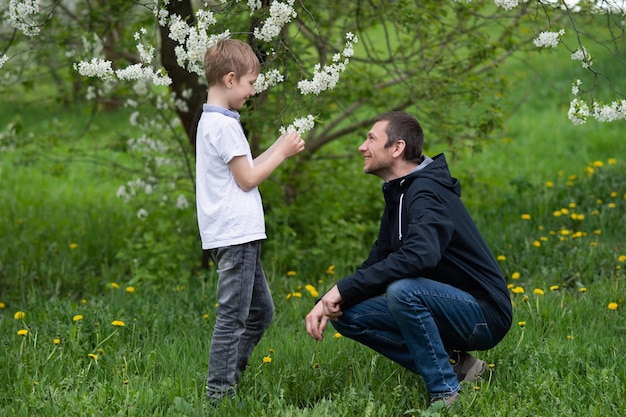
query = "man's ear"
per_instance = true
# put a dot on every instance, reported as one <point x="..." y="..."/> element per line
<point x="398" y="148"/>
<point x="229" y="79"/>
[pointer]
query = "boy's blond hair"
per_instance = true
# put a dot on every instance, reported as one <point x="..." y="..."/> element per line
<point x="229" y="55"/>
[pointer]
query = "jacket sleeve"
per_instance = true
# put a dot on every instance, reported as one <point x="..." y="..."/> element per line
<point x="428" y="231"/>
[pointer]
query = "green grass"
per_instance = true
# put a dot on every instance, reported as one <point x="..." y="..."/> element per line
<point x="64" y="254"/>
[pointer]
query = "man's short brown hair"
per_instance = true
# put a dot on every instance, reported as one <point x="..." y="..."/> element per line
<point x="229" y="55"/>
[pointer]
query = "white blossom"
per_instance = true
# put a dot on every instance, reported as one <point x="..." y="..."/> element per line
<point x="578" y="111"/>
<point x="97" y="67"/>
<point x="548" y="39"/>
<point x="576" y="87"/>
<point x="280" y="15"/>
<point x="610" y="113"/>
<point x="300" y="125"/>
<point x="267" y="80"/>
<point x="142" y="214"/>
<point x="3" y="60"/>
<point x="22" y="14"/>
<point x="326" y="78"/>
<point x="507" y="4"/>
<point x="584" y="56"/>
<point x="181" y="202"/>
<point x="254" y="5"/>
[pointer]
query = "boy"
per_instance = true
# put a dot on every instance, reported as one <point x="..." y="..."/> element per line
<point x="230" y="213"/>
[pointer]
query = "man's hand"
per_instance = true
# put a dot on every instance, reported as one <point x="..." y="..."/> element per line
<point x="332" y="303"/>
<point x="316" y="322"/>
<point x="329" y="307"/>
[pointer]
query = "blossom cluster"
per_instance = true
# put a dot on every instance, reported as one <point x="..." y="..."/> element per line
<point x="326" y="77"/>
<point x="280" y="15"/>
<point x="548" y="39"/>
<point x="300" y="125"/>
<point x="22" y="15"/>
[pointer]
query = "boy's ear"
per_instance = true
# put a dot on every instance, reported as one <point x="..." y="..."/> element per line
<point x="228" y="79"/>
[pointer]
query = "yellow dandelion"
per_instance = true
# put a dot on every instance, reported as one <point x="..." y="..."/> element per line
<point x="525" y="216"/>
<point x="115" y="285"/>
<point x="557" y="213"/>
<point x="612" y="205"/>
<point x="521" y="323"/>
<point x="2" y="305"/>
<point x="56" y="341"/>
<point x="93" y="356"/>
<point x="597" y="232"/>
<point x="205" y="316"/>
<point x="297" y="294"/>
<point x="524" y="299"/>
<point x="509" y="286"/>
<point x="77" y="317"/>
<point x="267" y="359"/>
<point x="291" y="273"/>
<point x="337" y="335"/>
<point x="501" y="258"/>
<point x="564" y="211"/>
<point x="130" y="289"/>
<point x="518" y="290"/>
<point x="19" y="315"/>
<point x="515" y="275"/>
<point x="538" y="291"/>
<point x="582" y="289"/>
<point x="83" y="301"/>
<point x="572" y="205"/>
<point x="612" y="306"/>
<point x="549" y="184"/>
<point x="330" y="270"/>
<point x="118" y="323"/>
<point x="271" y="350"/>
<point x="311" y="289"/>
<point x="73" y="246"/>
<point x="22" y="332"/>
<point x="543" y="239"/>
<point x="597" y="164"/>
<point x="570" y="337"/>
<point x="621" y="258"/>
<point x="612" y="161"/>
<point x="554" y="287"/>
<point x="288" y="296"/>
<point x="614" y="194"/>
<point x="536" y="243"/>
<point x="491" y="366"/>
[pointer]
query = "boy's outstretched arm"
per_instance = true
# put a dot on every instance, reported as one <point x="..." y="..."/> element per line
<point x="249" y="177"/>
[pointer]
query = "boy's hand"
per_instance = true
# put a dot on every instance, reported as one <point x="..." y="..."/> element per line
<point x="290" y="144"/>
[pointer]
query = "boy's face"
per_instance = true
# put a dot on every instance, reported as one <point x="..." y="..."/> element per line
<point x="241" y="90"/>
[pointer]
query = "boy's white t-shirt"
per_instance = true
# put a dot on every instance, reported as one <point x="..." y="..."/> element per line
<point x="227" y="215"/>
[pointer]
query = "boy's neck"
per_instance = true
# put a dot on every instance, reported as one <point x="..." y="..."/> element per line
<point x="217" y="97"/>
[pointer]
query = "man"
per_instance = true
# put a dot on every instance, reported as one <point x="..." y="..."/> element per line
<point x="431" y="289"/>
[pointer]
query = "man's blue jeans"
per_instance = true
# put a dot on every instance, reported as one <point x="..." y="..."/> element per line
<point x="245" y="310"/>
<point x="416" y="324"/>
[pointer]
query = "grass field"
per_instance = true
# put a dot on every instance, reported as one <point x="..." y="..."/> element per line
<point x="548" y="196"/>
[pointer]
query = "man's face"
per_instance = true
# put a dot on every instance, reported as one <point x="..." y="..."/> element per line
<point x="378" y="159"/>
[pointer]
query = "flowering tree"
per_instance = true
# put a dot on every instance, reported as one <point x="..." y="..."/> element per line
<point x="328" y="68"/>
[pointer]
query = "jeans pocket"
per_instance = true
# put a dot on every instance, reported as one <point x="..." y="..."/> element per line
<point x="224" y="258"/>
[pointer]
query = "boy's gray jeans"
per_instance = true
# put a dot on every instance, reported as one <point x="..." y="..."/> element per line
<point x="245" y="310"/>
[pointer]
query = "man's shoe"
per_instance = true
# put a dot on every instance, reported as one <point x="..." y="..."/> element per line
<point x="467" y="367"/>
